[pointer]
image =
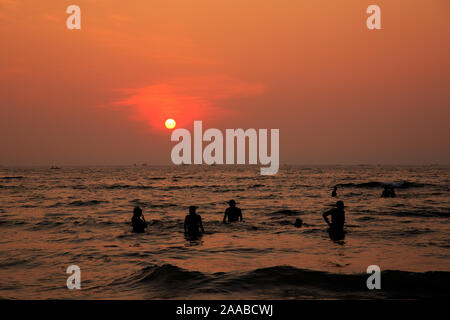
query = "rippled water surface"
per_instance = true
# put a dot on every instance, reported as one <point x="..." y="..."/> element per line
<point x="50" y="219"/>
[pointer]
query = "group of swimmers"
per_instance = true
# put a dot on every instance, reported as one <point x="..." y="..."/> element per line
<point x="193" y="225"/>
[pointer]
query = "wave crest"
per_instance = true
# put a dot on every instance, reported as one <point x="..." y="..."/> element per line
<point x="172" y="281"/>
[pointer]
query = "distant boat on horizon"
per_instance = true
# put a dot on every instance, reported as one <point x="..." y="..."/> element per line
<point x="55" y="168"/>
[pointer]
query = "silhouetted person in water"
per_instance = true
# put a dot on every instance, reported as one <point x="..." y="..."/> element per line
<point x="298" y="223"/>
<point x="138" y="221"/>
<point x="337" y="220"/>
<point x="393" y="195"/>
<point x="233" y="213"/>
<point x="385" y="193"/>
<point x="388" y="192"/>
<point x="334" y="193"/>
<point x="193" y="223"/>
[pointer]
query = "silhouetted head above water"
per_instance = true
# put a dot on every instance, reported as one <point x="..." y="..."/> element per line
<point x="340" y="204"/>
<point x="192" y="209"/>
<point x="232" y="203"/>
<point x="137" y="211"/>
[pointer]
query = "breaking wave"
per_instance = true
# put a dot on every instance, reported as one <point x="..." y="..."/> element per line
<point x="286" y="281"/>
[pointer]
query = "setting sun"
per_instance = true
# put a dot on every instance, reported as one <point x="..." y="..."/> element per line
<point x="170" y="123"/>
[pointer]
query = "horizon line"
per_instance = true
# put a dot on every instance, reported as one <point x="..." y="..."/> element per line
<point x="144" y="164"/>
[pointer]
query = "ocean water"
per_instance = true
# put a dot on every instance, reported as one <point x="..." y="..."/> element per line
<point x="51" y="219"/>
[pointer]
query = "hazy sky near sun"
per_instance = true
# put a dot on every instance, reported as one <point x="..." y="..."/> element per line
<point x="338" y="92"/>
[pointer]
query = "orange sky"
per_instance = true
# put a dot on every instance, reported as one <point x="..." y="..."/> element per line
<point x="339" y="93"/>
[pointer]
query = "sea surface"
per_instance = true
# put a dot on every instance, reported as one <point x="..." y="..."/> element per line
<point x="51" y="219"/>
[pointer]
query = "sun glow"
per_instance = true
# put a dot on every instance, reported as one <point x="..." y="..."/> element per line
<point x="170" y="123"/>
